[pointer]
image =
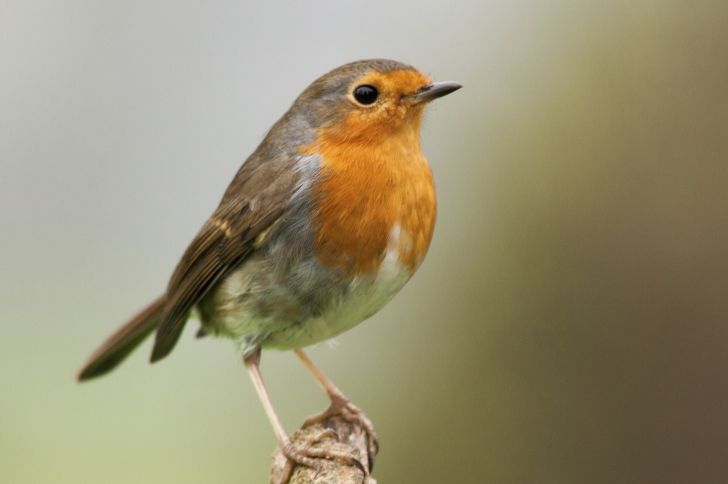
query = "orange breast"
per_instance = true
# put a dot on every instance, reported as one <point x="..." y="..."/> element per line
<point x="365" y="190"/>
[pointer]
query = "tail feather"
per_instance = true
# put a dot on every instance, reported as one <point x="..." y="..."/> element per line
<point x="123" y="341"/>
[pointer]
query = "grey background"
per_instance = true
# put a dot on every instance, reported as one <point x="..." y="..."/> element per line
<point x="569" y="324"/>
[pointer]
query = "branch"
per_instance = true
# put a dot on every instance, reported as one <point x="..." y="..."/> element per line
<point x="352" y="440"/>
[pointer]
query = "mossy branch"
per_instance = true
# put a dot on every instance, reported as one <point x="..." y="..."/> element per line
<point x="348" y="437"/>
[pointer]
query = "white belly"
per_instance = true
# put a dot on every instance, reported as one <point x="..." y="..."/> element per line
<point x="366" y="296"/>
<point x="262" y="305"/>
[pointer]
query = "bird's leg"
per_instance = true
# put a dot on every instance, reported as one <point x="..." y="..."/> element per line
<point x="340" y="405"/>
<point x="305" y="455"/>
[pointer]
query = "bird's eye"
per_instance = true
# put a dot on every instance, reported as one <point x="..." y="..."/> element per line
<point x="366" y="94"/>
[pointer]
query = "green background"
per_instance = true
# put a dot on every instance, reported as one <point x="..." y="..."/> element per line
<point x="568" y="326"/>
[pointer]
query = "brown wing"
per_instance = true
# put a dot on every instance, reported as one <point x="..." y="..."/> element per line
<point x="257" y="197"/>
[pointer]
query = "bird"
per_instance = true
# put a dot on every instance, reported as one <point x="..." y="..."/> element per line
<point x="320" y="227"/>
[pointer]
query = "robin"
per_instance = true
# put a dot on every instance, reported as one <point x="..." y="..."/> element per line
<point x="321" y="226"/>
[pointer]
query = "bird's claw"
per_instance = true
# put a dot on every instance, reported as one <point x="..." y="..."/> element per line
<point x="307" y="455"/>
<point x="341" y="406"/>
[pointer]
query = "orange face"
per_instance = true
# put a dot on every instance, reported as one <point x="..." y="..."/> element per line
<point x="374" y="178"/>
<point x="392" y="110"/>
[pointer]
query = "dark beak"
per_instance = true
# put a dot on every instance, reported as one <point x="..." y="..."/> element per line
<point x="433" y="91"/>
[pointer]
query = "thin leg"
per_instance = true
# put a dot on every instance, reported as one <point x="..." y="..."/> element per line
<point x="340" y="405"/>
<point x="252" y="363"/>
<point x="331" y="390"/>
<point x="304" y="455"/>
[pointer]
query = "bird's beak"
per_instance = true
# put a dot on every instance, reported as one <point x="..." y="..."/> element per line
<point x="433" y="91"/>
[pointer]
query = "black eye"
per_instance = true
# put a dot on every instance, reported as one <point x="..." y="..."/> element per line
<point x="366" y="94"/>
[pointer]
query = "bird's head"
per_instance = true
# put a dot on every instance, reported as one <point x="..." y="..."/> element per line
<point x="368" y="101"/>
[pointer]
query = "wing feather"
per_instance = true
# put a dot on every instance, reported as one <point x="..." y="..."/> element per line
<point x="259" y="195"/>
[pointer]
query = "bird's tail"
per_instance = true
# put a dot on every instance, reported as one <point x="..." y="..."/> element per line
<point x="123" y="341"/>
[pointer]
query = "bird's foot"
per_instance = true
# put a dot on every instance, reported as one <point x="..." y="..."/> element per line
<point x="308" y="455"/>
<point x="341" y="406"/>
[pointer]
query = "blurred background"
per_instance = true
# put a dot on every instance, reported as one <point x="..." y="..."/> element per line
<point x="568" y="326"/>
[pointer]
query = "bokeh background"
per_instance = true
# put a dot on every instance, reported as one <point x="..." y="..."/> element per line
<point x="568" y="326"/>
